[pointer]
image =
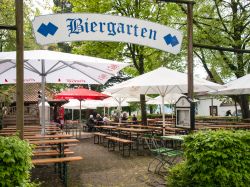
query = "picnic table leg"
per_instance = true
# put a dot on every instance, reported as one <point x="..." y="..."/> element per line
<point x="61" y="154"/>
<point x="138" y="145"/>
<point x="65" y="174"/>
<point x="122" y="149"/>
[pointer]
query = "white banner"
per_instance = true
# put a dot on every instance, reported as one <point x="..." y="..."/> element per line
<point x="57" y="28"/>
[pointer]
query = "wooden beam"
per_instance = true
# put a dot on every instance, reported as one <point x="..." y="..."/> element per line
<point x="19" y="68"/>
<point x="7" y="27"/>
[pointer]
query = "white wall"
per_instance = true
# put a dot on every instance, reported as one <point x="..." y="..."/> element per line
<point x="203" y="107"/>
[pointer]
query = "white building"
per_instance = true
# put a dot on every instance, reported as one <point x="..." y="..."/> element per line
<point x="206" y="103"/>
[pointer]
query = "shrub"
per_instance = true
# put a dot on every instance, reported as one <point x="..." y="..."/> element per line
<point x="214" y="158"/>
<point x="15" y="159"/>
<point x="217" y="118"/>
<point x="153" y="116"/>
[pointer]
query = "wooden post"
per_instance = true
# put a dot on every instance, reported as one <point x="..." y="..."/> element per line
<point x="19" y="68"/>
<point x="190" y="51"/>
<point x="190" y="61"/>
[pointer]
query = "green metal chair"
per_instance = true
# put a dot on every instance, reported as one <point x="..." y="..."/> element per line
<point x="164" y="156"/>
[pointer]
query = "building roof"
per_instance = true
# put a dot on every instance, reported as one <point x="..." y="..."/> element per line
<point x="31" y="93"/>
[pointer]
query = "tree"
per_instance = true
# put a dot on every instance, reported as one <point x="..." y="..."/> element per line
<point x="142" y="58"/>
<point x="7" y="17"/>
<point x="227" y="24"/>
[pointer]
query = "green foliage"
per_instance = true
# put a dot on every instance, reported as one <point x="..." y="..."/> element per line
<point x="214" y="158"/>
<point x="225" y="24"/>
<point x="216" y="118"/>
<point x="143" y="59"/>
<point x="15" y="159"/>
<point x="179" y="176"/>
<point x="7" y="17"/>
<point x="153" y="116"/>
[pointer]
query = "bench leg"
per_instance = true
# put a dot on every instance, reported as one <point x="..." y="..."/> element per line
<point x="95" y="139"/>
<point x="112" y="145"/>
<point x="124" y="148"/>
<point x="105" y="142"/>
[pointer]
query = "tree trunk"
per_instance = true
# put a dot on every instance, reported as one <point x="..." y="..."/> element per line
<point x="151" y="110"/>
<point x="129" y="111"/>
<point x="244" y="105"/>
<point x="143" y="110"/>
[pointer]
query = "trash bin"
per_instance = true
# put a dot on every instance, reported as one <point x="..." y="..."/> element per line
<point x="47" y="112"/>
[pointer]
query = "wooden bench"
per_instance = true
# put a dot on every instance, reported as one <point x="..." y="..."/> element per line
<point x="100" y="137"/>
<point x="113" y="140"/>
<point x="51" y="153"/>
<point x="55" y="160"/>
<point x="53" y="146"/>
<point x="63" y="171"/>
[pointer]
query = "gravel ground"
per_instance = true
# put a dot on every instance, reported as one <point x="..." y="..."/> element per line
<point x="101" y="168"/>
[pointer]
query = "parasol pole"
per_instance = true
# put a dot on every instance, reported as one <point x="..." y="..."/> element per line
<point x="80" y="111"/>
<point x="163" y="114"/>
<point x="43" y="98"/>
<point x="119" y="110"/>
<point x="172" y="108"/>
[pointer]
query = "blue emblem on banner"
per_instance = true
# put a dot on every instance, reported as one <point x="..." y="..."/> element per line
<point x="169" y="39"/>
<point x="47" y="29"/>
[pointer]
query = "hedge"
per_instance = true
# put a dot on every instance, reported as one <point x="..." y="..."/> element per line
<point x="15" y="159"/>
<point x="214" y="158"/>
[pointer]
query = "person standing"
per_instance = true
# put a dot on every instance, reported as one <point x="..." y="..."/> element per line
<point x="228" y="113"/>
<point x="134" y="119"/>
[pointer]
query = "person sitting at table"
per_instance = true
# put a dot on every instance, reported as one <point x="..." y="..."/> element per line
<point x="98" y="119"/>
<point x="134" y="119"/>
<point x="124" y="116"/>
<point x="91" y="123"/>
<point x="106" y="120"/>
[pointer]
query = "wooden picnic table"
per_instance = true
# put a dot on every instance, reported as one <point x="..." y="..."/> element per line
<point x="146" y="127"/>
<point x="138" y="133"/>
<point x="60" y="142"/>
<point x="49" y="136"/>
<point x="174" y="129"/>
<point x="29" y="130"/>
<point x="105" y="127"/>
<point x="176" y="140"/>
<point x="117" y="124"/>
<point x="26" y="133"/>
<point x="61" y="160"/>
<point x="134" y="130"/>
<point x="55" y="141"/>
<point x="108" y="128"/>
<point x="35" y="128"/>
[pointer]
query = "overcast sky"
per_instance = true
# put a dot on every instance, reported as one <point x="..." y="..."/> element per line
<point x="44" y="6"/>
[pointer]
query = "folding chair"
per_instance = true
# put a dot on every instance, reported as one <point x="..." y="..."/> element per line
<point x="163" y="156"/>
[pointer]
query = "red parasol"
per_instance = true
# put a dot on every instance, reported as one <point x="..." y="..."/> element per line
<point x="81" y="94"/>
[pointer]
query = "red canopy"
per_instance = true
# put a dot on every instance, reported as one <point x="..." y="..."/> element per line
<point x="81" y="94"/>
